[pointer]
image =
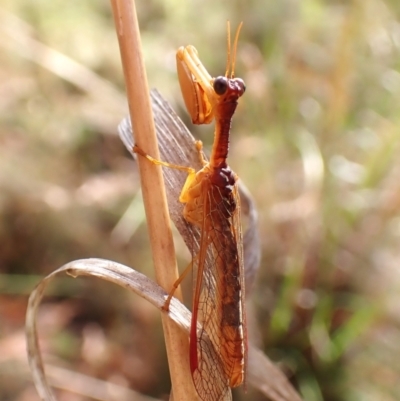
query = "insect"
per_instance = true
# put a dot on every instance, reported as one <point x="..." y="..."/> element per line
<point x="218" y="337"/>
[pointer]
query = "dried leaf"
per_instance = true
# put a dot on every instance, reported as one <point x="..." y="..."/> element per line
<point x="177" y="146"/>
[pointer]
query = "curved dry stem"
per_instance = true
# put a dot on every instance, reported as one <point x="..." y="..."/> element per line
<point x="107" y="270"/>
<point x="87" y="387"/>
<point x="262" y="374"/>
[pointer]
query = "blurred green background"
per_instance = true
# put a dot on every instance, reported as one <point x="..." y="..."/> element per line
<point x="315" y="138"/>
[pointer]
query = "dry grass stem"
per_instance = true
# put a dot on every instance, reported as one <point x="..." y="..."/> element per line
<point x="153" y="189"/>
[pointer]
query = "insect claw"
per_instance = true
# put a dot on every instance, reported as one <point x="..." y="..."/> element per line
<point x="165" y="307"/>
<point x="138" y="150"/>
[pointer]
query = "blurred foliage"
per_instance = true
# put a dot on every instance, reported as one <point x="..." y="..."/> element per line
<point x="315" y="139"/>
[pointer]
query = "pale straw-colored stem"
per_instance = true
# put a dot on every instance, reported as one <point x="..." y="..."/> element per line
<point x="154" y="198"/>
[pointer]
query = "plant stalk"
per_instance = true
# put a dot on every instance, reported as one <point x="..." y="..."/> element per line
<point x="154" y="197"/>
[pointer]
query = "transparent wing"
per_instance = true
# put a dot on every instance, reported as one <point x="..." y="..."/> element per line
<point x="218" y="342"/>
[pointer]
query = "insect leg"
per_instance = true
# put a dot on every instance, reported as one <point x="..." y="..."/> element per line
<point x="199" y="147"/>
<point x="165" y="307"/>
<point x="140" y="152"/>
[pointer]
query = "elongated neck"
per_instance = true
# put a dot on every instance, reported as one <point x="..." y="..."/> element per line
<point x="220" y="148"/>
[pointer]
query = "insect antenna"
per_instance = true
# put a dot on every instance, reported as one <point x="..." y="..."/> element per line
<point x="228" y="38"/>
<point x="235" y="42"/>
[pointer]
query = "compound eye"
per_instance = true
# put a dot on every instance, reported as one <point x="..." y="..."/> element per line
<point x="241" y="84"/>
<point x="220" y="85"/>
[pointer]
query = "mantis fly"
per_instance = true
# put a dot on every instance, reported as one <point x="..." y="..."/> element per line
<point x="218" y="337"/>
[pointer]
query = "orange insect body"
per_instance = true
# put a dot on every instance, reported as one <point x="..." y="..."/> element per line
<point x="218" y="337"/>
<point x="212" y="203"/>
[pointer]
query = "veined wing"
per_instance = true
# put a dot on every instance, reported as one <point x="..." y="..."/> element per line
<point x="218" y="346"/>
